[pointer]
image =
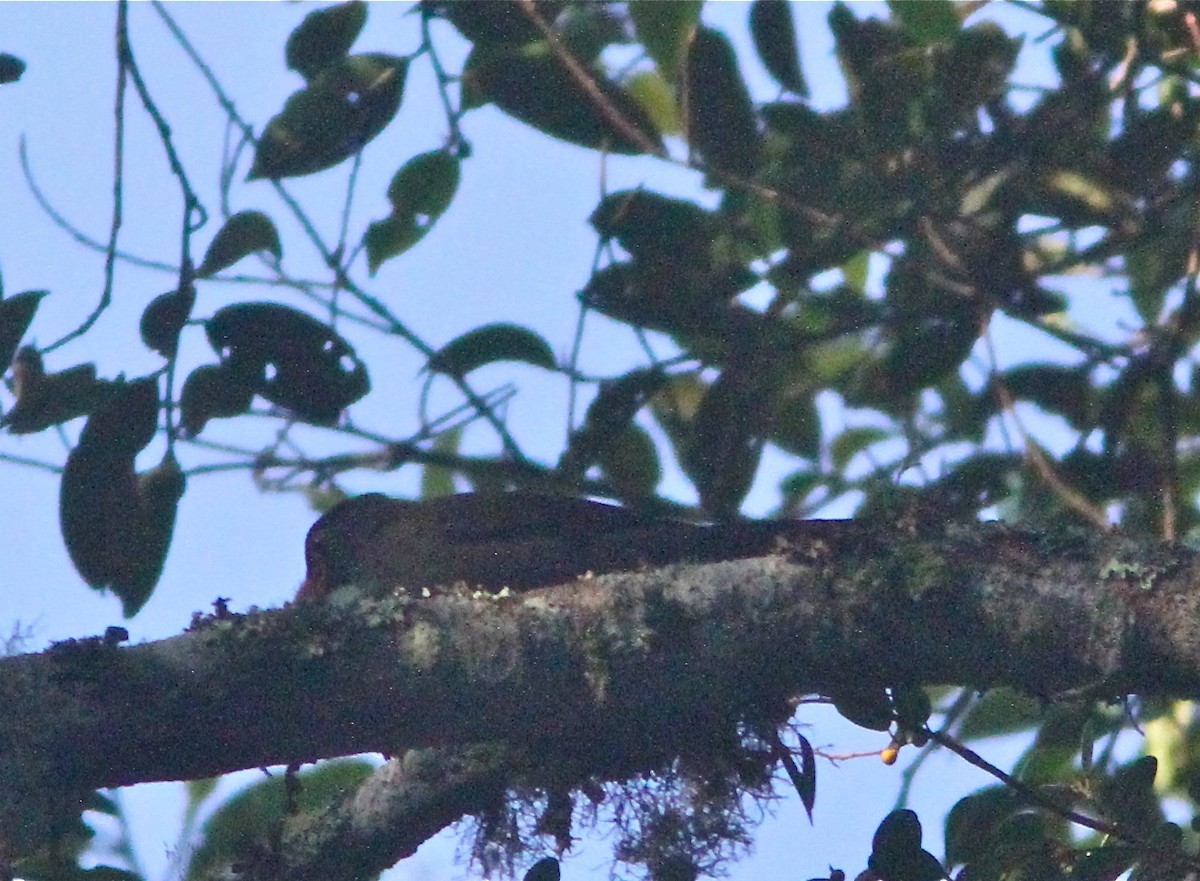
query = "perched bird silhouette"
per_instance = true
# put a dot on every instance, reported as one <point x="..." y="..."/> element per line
<point x="519" y="540"/>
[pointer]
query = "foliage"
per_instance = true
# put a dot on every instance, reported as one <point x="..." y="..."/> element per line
<point x="835" y="301"/>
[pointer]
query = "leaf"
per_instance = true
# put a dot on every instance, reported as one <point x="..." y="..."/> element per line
<point x="724" y="444"/>
<point x="494" y="23"/>
<point x="665" y="29"/>
<point x="340" y="111"/>
<point x="250" y="817"/>
<point x="436" y="480"/>
<point x="971" y="821"/>
<point x="420" y="192"/>
<point x="853" y="441"/>
<point x="212" y="391"/>
<point x="867" y="707"/>
<point x="164" y="318"/>
<point x="488" y="344"/>
<point x="324" y="36"/>
<point x="44" y="400"/>
<point x="546" y="869"/>
<point x="630" y="463"/>
<point x="11" y="68"/>
<point x="721" y="123"/>
<point x="999" y="711"/>
<point x="608" y="416"/>
<point x="774" y="34"/>
<point x="243" y="234"/>
<point x="533" y="86"/>
<point x="125" y="423"/>
<point x="656" y="97"/>
<point x="796" y="426"/>
<point x="289" y="358"/>
<point x="1057" y="389"/>
<point x="16" y="314"/>
<point x="116" y="530"/>
<point x="927" y="21"/>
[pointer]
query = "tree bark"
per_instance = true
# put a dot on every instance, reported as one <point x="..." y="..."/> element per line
<point x="614" y="671"/>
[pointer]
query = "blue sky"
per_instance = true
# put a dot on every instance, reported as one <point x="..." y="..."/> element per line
<point x="514" y="246"/>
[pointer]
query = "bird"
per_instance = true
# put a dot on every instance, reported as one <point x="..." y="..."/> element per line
<point x="494" y="540"/>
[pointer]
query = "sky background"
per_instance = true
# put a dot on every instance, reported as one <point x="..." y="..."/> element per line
<point x="514" y="246"/>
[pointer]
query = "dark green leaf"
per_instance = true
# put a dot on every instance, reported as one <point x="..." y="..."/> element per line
<point x="630" y="463"/>
<point x="609" y="415"/>
<point x="248" y="820"/>
<point x="11" y="68"/>
<point x="774" y="34"/>
<point x="491" y="343"/>
<point x="665" y="29"/>
<point x="724" y="443"/>
<point x="927" y="21"/>
<point x="1129" y="795"/>
<point x="796" y="426"/>
<point x="1057" y="389"/>
<point x="50" y="399"/>
<point x="125" y="423"/>
<point x="544" y="870"/>
<point x="656" y="97"/>
<point x="437" y="480"/>
<point x="243" y="234"/>
<point x="420" y="192"/>
<point x="533" y="86"/>
<point x="343" y="108"/>
<point x="1106" y="863"/>
<point x="721" y="123"/>
<point x="164" y="318"/>
<point x="867" y="707"/>
<point x="324" y="36"/>
<point x="970" y="823"/>
<point x="912" y="707"/>
<point x="211" y="391"/>
<point x="853" y="441"/>
<point x="16" y="314"/>
<point x="999" y="711"/>
<point x="495" y="23"/>
<point x="898" y="834"/>
<point x="289" y="358"/>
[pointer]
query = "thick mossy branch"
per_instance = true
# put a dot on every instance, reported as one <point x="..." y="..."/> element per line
<point x="619" y="669"/>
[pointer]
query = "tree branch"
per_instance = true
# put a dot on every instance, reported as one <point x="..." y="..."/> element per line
<point x="610" y="671"/>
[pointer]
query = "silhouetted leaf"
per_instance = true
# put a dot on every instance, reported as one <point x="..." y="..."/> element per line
<point x="665" y="29"/>
<point x="608" y="416"/>
<point x="50" y="399"/>
<point x="11" y="68"/>
<point x="546" y="869"/>
<point x="324" y="36"/>
<point x="420" y="192"/>
<point x="971" y="821"/>
<point x="630" y="463"/>
<point x="163" y="319"/>
<point x="721" y="124"/>
<point x="488" y="344"/>
<point x="929" y="21"/>
<point x="774" y="34"/>
<point x="16" y="314"/>
<point x="343" y="107"/>
<point x="867" y="707"/>
<point x="651" y="90"/>
<point x="437" y="480"/>
<point x="243" y="234"/>
<point x="125" y="423"/>
<point x="532" y="85"/>
<point x="248" y="819"/>
<point x="496" y="22"/>
<point x="212" y="391"/>
<point x="289" y="358"/>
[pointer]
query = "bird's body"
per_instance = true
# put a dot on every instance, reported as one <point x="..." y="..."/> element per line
<point x="518" y="540"/>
